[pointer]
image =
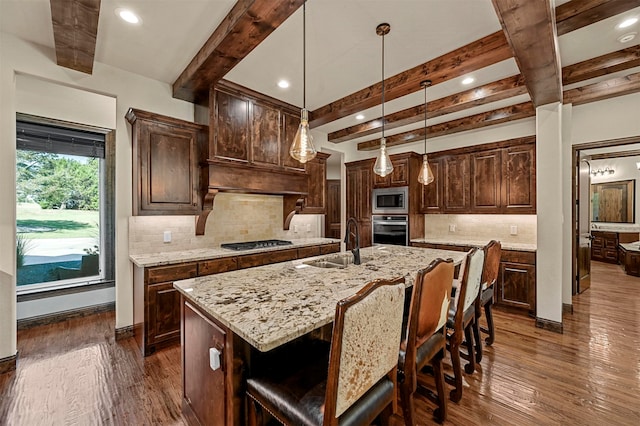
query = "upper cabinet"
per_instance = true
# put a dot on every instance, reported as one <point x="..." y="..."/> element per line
<point x="398" y="177"/>
<point x="492" y="178"/>
<point x="167" y="155"/>
<point x="316" y="202"/>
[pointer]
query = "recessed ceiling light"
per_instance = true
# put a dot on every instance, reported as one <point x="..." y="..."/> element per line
<point x="283" y="84"/>
<point x="626" y="38"/>
<point x="627" y="22"/>
<point x="359" y="117"/>
<point x="128" y="16"/>
<point x="468" y="80"/>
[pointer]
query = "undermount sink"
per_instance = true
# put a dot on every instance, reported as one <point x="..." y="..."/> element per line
<point x="340" y="261"/>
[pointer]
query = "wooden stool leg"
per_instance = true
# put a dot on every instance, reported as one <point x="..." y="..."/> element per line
<point x="456" y="393"/>
<point x="490" y="327"/>
<point x="408" y="407"/>
<point x="440" y="413"/>
<point x="470" y="367"/>
<point x="478" y="340"/>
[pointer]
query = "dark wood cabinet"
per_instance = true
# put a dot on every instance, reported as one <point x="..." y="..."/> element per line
<point x="231" y="131"/>
<point x="156" y="304"/>
<point x="291" y="122"/>
<point x="316" y="201"/>
<point x="519" y="179"/>
<point x="332" y="218"/>
<point x="265" y="134"/>
<point x="604" y="246"/>
<point x="486" y="168"/>
<point x="630" y="260"/>
<point x="431" y="195"/>
<point x="398" y="177"/>
<point x="456" y="183"/>
<point x="359" y="186"/>
<point x="167" y="154"/>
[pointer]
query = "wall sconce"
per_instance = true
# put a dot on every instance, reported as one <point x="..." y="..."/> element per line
<point x="607" y="171"/>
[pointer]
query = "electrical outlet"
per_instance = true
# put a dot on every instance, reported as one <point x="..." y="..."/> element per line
<point x="514" y="230"/>
<point x="166" y="235"/>
<point x="308" y="227"/>
<point x="295" y="229"/>
<point x="452" y="228"/>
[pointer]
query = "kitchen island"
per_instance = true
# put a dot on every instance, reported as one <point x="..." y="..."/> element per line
<point x="230" y="319"/>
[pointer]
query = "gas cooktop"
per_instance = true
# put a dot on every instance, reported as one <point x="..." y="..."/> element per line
<point x="250" y="245"/>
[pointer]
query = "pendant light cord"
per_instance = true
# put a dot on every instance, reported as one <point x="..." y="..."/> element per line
<point x="425" y="118"/>
<point x="304" y="54"/>
<point x="383" y="86"/>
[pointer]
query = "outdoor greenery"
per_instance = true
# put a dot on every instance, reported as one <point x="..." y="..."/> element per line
<point x="23" y="245"/>
<point x="57" y="182"/>
<point x="35" y="223"/>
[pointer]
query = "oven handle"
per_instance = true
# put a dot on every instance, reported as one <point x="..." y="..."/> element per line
<point x="389" y="222"/>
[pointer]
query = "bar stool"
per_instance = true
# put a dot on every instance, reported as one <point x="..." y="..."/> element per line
<point x="492" y="254"/>
<point x="426" y="341"/>
<point x="360" y="383"/>
<point x="462" y="320"/>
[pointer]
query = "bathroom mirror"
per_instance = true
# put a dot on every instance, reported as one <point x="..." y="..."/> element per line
<point x="613" y="202"/>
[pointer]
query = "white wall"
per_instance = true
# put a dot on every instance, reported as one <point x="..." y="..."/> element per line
<point x="18" y="57"/>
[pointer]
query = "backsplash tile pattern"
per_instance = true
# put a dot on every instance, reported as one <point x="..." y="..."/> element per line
<point x="481" y="227"/>
<point x="235" y="218"/>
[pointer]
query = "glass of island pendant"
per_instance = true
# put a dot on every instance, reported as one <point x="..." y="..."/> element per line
<point x="383" y="164"/>
<point x="426" y="175"/>
<point x="302" y="148"/>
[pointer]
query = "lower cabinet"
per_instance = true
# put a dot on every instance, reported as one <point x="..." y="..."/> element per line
<point x="156" y="304"/>
<point x="631" y="262"/>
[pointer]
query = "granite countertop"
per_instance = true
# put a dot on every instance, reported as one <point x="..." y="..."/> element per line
<point x="631" y="246"/>
<point x="146" y="260"/>
<point x="270" y="305"/>
<point x="476" y="243"/>
<point x="615" y="228"/>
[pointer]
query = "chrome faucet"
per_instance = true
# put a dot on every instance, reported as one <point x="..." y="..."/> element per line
<point x="347" y="240"/>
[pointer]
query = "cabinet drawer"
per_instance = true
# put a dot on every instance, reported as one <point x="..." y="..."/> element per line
<point x="308" y="251"/>
<point x="251" y="260"/>
<point x="526" y="257"/>
<point x="217" y="266"/>
<point x="611" y="243"/>
<point x="611" y="255"/>
<point x="171" y="273"/>
<point x="330" y="248"/>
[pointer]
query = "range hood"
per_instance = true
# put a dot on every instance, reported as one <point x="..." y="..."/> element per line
<point x="239" y="177"/>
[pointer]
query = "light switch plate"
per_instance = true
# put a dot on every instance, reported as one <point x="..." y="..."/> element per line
<point x="452" y="228"/>
<point x="166" y="235"/>
<point x="514" y="230"/>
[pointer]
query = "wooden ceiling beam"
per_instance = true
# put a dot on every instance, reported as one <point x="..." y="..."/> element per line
<point x="491" y="92"/>
<point x="75" y="31"/>
<point x="477" y="121"/>
<point x="574" y="15"/>
<point x="603" y="90"/>
<point x="602" y="65"/>
<point x="247" y="24"/>
<point x="479" y="54"/>
<point x="529" y="28"/>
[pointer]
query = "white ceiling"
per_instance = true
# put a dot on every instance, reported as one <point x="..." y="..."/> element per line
<point x="343" y="50"/>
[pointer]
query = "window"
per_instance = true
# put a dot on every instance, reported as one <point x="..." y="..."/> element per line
<point x="61" y="220"/>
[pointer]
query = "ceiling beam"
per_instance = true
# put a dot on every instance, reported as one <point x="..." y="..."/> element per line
<point x="247" y="24"/>
<point x="603" y="90"/>
<point x="574" y="15"/>
<point x="530" y="30"/>
<point x="75" y="30"/>
<point x="477" y="121"/>
<point x="479" y="54"/>
<point x="481" y="95"/>
<point x="602" y="65"/>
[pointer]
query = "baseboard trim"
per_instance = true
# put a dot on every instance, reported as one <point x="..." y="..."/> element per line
<point x="65" y="315"/>
<point x="567" y="308"/>
<point x="546" y="324"/>
<point x="8" y="364"/>
<point x="124" y="332"/>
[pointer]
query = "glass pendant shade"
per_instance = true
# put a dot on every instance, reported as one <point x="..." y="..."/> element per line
<point x="426" y="175"/>
<point x="302" y="148"/>
<point x="383" y="165"/>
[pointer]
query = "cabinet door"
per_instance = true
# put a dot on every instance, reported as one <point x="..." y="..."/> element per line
<point x="332" y="218"/>
<point x="231" y="134"/>
<point x="400" y="174"/>
<point x="486" y="168"/>
<point x="204" y="389"/>
<point x="359" y="185"/>
<point x="163" y="313"/>
<point x="291" y="123"/>
<point x="456" y="183"/>
<point x="516" y="286"/>
<point x="431" y="201"/>
<point x="265" y="134"/>
<point x="381" y="181"/>
<point x="519" y="179"/>
<point x="167" y="169"/>
<point x="316" y="202"/>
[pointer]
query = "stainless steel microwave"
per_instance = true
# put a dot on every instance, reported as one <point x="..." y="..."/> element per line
<point x="391" y="200"/>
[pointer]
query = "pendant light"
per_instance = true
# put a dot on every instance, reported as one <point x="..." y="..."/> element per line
<point x="426" y="175"/>
<point x="383" y="164"/>
<point x="302" y="148"/>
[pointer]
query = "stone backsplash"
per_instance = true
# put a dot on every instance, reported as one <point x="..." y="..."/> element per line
<point x="235" y="218"/>
<point x="481" y="227"/>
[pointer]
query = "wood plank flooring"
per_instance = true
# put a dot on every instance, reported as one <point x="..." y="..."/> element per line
<point x="75" y="372"/>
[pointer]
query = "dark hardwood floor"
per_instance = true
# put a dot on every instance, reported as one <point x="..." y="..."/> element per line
<point x="75" y="372"/>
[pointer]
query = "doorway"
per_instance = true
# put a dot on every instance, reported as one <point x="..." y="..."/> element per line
<point x="596" y="233"/>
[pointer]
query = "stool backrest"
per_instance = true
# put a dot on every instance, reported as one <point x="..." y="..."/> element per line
<point x="492" y="253"/>
<point x="473" y="274"/>
<point x="365" y="341"/>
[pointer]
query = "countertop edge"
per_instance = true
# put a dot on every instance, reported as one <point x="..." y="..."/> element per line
<point x="477" y="243"/>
